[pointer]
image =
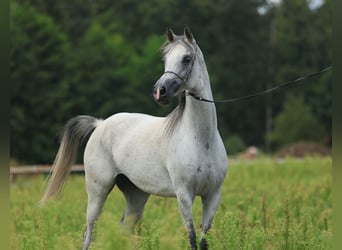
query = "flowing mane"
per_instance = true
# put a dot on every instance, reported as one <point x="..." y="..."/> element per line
<point x="175" y="116"/>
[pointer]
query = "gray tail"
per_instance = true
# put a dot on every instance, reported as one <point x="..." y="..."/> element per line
<point x="76" y="131"/>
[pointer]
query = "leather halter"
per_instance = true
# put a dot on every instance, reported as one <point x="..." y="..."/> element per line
<point x="187" y="76"/>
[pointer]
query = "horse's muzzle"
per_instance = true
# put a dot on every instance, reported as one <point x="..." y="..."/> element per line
<point x="163" y="91"/>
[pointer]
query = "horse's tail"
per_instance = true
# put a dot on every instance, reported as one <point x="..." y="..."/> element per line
<point x="77" y="130"/>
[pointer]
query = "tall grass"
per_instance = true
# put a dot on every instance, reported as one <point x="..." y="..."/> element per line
<point x="265" y="205"/>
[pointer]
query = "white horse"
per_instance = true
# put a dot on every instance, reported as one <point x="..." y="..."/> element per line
<point x="181" y="155"/>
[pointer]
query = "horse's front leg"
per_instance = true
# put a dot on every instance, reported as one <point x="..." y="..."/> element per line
<point x="185" y="201"/>
<point x="210" y="204"/>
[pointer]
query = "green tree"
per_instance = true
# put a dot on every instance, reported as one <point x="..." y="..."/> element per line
<point x="303" y="46"/>
<point x="39" y="58"/>
<point x="319" y="94"/>
<point x="102" y="57"/>
<point x="73" y="17"/>
<point x="99" y="68"/>
<point x="109" y="72"/>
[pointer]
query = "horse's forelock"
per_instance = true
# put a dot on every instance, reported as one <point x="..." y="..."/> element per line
<point x="178" y="39"/>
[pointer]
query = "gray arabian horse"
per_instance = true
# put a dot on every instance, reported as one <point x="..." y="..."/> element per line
<point x="181" y="155"/>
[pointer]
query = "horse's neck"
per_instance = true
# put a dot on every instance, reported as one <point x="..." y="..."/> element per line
<point x="201" y="116"/>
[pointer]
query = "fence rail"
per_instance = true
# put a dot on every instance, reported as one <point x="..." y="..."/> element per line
<point x="35" y="170"/>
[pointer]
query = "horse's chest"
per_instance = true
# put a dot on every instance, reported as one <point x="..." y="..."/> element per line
<point x="199" y="162"/>
<point x="204" y="178"/>
<point x="203" y="175"/>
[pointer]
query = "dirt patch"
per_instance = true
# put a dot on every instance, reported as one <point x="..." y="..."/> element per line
<point x="302" y="149"/>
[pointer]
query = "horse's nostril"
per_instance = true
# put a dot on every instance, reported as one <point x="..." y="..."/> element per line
<point x="162" y="90"/>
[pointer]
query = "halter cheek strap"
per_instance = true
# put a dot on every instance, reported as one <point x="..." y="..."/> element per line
<point x="184" y="79"/>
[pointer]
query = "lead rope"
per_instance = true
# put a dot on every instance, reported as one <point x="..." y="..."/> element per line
<point x="285" y="84"/>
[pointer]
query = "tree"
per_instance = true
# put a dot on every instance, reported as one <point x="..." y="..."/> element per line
<point x="109" y="75"/>
<point x="102" y="57"/>
<point x="73" y="17"/>
<point x="99" y="66"/>
<point x="39" y="58"/>
<point x="303" y="46"/>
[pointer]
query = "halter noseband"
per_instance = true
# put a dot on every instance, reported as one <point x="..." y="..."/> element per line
<point x="171" y="72"/>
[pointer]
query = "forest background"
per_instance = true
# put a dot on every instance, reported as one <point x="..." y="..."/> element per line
<point x="99" y="58"/>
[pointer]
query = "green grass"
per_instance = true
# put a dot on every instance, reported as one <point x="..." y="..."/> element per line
<point x="265" y="205"/>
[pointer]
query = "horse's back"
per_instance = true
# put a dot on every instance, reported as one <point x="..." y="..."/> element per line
<point x="128" y="121"/>
<point x="123" y="127"/>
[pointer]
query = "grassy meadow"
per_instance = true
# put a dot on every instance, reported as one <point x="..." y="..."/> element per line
<point x="266" y="204"/>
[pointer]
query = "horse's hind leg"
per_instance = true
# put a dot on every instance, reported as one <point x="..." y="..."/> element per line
<point x="99" y="183"/>
<point x="210" y="204"/>
<point x="135" y="199"/>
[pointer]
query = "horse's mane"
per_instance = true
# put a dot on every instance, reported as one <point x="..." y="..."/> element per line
<point x="173" y="119"/>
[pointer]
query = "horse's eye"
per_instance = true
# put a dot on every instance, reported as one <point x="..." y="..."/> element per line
<point x="186" y="59"/>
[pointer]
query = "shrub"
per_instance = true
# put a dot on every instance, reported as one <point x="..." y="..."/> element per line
<point x="295" y="123"/>
<point x="234" y="144"/>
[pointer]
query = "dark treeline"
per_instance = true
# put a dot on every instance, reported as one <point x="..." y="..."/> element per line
<point x="102" y="57"/>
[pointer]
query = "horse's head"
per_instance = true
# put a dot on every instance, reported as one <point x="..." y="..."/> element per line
<point x="179" y="58"/>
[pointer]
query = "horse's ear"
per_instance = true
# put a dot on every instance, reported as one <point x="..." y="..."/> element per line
<point x="188" y="34"/>
<point x="170" y="35"/>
